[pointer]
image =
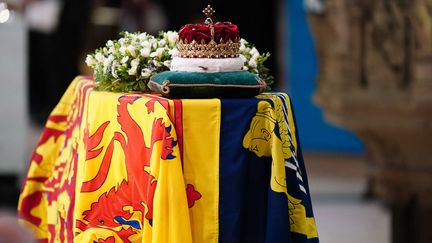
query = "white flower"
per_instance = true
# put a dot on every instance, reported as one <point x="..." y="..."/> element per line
<point x="131" y="49"/>
<point x="254" y="51"/>
<point x="132" y="71"/>
<point x="158" y="53"/>
<point x="162" y="43"/>
<point x="90" y="61"/>
<point x="145" y="44"/>
<point x="172" y="37"/>
<point x="142" y="36"/>
<point x="146" y="73"/>
<point x="106" y="63"/>
<point x="122" y="50"/>
<point x="245" y="68"/>
<point x="124" y="59"/>
<point x="153" y="42"/>
<point x="134" y="38"/>
<point x="252" y="63"/>
<point x="112" y="50"/>
<point x="135" y="62"/>
<point x="99" y="57"/>
<point x="110" y="43"/>
<point x="167" y="63"/>
<point x="145" y="52"/>
<point x="246" y="51"/>
<point x="114" y="69"/>
<point x="173" y="52"/>
<point x="134" y="66"/>
<point x="109" y="59"/>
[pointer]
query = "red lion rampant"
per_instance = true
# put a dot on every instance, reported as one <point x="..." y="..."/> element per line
<point x="109" y="210"/>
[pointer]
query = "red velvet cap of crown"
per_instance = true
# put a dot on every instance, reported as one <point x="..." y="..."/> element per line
<point x="222" y="31"/>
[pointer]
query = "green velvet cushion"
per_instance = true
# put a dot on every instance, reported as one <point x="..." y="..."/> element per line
<point x="207" y="85"/>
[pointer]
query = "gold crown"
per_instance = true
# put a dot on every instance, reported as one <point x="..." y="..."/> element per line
<point x="212" y="49"/>
<point x="208" y="50"/>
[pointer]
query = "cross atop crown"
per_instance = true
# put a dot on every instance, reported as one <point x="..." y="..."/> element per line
<point x="208" y="11"/>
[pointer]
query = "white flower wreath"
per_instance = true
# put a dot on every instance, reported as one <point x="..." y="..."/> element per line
<point x="127" y="64"/>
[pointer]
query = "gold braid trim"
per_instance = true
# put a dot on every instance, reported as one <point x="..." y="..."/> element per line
<point x="208" y="50"/>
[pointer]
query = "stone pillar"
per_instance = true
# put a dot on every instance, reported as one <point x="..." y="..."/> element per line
<point x="376" y="80"/>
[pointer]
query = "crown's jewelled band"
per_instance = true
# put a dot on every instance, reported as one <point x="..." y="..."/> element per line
<point x="208" y="50"/>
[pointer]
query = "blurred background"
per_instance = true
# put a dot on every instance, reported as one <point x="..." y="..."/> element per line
<point x="358" y="73"/>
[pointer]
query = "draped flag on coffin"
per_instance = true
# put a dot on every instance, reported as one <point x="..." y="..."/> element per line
<point x="140" y="168"/>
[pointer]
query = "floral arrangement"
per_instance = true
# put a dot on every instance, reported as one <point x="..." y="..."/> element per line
<point x="254" y="61"/>
<point x="127" y="64"/>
